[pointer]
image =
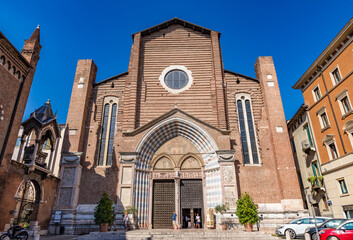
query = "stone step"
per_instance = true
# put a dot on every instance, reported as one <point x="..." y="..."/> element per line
<point x="175" y="235"/>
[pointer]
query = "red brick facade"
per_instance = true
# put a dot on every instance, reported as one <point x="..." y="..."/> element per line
<point x="208" y="104"/>
<point x="16" y="76"/>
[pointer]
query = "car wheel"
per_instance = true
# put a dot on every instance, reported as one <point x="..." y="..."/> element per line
<point x="333" y="238"/>
<point x="314" y="236"/>
<point x="291" y="232"/>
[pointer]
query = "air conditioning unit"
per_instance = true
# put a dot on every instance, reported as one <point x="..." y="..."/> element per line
<point x="307" y="147"/>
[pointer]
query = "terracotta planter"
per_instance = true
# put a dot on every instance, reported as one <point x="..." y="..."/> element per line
<point x="224" y="227"/>
<point x="248" y="227"/>
<point x="103" y="227"/>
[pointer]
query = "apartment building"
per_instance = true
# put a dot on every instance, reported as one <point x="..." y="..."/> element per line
<point x="327" y="88"/>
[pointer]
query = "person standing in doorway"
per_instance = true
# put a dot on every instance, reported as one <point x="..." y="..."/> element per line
<point x="198" y="220"/>
<point x="126" y="221"/>
<point x="186" y="221"/>
<point x="174" y="220"/>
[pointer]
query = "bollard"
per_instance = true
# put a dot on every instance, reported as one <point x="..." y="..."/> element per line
<point x="287" y="235"/>
<point x="307" y="236"/>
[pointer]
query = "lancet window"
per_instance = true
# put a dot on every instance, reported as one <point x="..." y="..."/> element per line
<point x="248" y="136"/>
<point x="106" y="145"/>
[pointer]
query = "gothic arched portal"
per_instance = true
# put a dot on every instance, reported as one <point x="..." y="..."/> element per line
<point x="195" y="144"/>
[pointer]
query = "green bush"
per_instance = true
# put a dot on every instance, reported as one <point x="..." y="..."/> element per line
<point x="104" y="212"/>
<point x="311" y="179"/>
<point x="246" y="210"/>
<point x="221" y="208"/>
<point x="320" y="178"/>
<point x="131" y="210"/>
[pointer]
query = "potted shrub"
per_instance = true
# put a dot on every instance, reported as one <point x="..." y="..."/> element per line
<point x="247" y="212"/>
<point x="316" y="182"/>
<point x="320" y="179"/>
<point x="222" y="209"/>
<point x="104" y="212"/>
<point x="131" y="211"/>
<point x="311" y="179"/>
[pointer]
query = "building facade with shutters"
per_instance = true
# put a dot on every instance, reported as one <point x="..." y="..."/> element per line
<point x="327" y="91"/>
<point x="308" y="166"/>
<point x="176" y="132"/>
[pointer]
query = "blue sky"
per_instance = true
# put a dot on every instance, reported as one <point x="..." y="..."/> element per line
<point x="293" y="32"/>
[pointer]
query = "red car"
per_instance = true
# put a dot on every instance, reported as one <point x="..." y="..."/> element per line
<point x="342" y="232"/>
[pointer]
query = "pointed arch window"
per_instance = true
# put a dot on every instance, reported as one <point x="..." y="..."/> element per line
<point x="106" y="145"/>
<point x="248" y="136"/>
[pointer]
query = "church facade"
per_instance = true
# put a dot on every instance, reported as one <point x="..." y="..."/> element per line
<point x="176" y="132"/>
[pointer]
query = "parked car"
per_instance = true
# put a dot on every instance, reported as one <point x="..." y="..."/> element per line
<point x="331" y="223"/>
<point x="296" y="228"/>
<point x="344" y="231"/>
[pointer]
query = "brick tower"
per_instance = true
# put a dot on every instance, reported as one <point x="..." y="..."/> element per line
<point x="286" y="172"/>
<point x="30" y="52"/>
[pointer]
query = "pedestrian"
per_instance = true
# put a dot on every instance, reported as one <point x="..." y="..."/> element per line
<point x="174" y="221"/>
<point x="198" y="220"/>
<point x="186" y="221"/>
<point x="112" y="223"/>
<point x="189" y="222"/>
<point x="126" y="221"/>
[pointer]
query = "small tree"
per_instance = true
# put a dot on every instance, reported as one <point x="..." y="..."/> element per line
<point x="221" y="208"/>
<point x="246" y="210"/>
<point x="131" y="210"/>
<point x="104" y="212"/>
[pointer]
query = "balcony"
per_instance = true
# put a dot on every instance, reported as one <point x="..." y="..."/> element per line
<point x="37" y="162"/>
<point x="317" y="183"/>
<point x="307" y="147"/>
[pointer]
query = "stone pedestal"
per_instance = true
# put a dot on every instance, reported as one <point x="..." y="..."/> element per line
<point x="71" y="171"/>
<point x="229" y="183"/>
<point x="68" y="193"/>
<point x="126" y="179"/>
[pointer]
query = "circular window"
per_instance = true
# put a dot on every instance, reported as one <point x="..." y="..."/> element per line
<point x="176" y="79"/>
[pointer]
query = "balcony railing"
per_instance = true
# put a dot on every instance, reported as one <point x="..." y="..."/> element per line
<point x="35" y="162"/>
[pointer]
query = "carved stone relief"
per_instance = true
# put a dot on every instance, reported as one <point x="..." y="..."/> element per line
<point x="190" y="163"/>
<point x="180" y="174"/>
<point x="71" y="159"/>
<point x="163" y="163"/>
<point x="225" y="155"/>
<point x="228" y="175"/>
<point x="230" y="196"/>
<point x="128" y="157"/>
<point x="164" y="175"/>
<point x="184" y="175"/>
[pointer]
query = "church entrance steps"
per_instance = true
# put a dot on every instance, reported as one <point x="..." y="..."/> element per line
<point x="188" y="234"/>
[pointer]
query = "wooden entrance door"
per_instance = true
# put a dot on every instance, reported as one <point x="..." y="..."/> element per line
<point x="163" y="203"/>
